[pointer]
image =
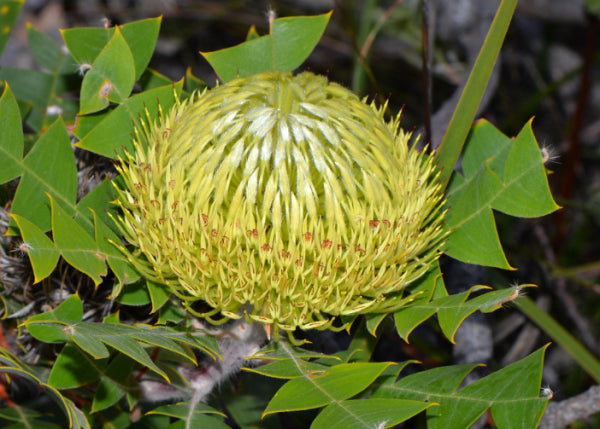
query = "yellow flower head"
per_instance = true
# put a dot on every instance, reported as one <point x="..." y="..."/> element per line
<point x="284" y="198"/>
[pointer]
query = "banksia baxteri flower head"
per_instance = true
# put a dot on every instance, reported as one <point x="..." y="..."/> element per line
<point x="284" y="198"/>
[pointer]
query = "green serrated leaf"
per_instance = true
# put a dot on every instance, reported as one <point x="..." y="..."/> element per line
<point x="452" y="310"/>
<point x="12" y="365"/>
<point x="70" y="310"/>
<point x="11" y="138"/>
<point x="171" y="313"/>
<point x="75" y="416"/>
<point x="49" y="326"/>
<point x="474" y="237"/>
<point x="363" y="344"/>
<point x="518" y="383"/>
<point x="409" y="317"/>
<point x="76" y="246"/>
<point x="87" y="342"/>
<point x="289" y="43"/>
<point x="287" y="369"/>
<point x="42" y="252"/>
<point x="159" y="294"/>
<point x="72" y="368"/>
<point x="110" y="78"/>
<point x="280" y="350"/>
<point x="94" y="206"/>
<point x="206" y="343"/>
<point x="120" y="338"/>
<point x="114" y="384"/>
<point x="197" y="419"/>
<point x="494" y="151"/>
<point x="135" y="294"/>
<point x="368" y="413"/>
<point x="110" y="134"/>
<point x="163" y="338"/>
<point x="141" y="36"/>
<point x="85" y="44"/>
<point x="500" y="173"/>
<point x="49" y="167"/>
<point x="9" y="11"/>
<point x="118" y="263"/>
<point x="526" y="191"/>
<point x="340" y="382"/>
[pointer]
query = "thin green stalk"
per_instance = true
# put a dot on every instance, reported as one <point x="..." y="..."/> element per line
<point x="562" y="337"/>
<point x="463" y="116"/>
<point x="364" y="22"/>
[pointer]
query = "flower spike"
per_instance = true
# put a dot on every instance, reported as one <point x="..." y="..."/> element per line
<point x="283" y="198"/>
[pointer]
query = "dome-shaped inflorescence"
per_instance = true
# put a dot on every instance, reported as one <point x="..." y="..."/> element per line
<point x="285" y="198"/>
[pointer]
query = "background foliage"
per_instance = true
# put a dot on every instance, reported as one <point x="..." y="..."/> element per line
<point x="86" y="329"/>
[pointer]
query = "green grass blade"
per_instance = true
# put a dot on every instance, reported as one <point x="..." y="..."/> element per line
<point x="463" y="116"/>
<point x="562" y="337"/>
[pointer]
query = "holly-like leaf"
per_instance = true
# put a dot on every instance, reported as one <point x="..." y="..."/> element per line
<point x="116" y="260"/>
<point x="200" y="417"/>
<point x="80" y="250"/>
<point x="49" y="327"/>
<point x="451" y="310"/>
<point x="85" y="44"/>
<point x="312" y="391"/>
<point x="279" y="350"/>
<point x="289" y="42"/>
<point x="368" y="413"/>
<point x="500" y="173"/>
<point x="110" y="77"/>
<point x="513" y="393"/>
<point x="77" y="247"/>
<point x="42" y="252"/>
<point x="10" y="364"/>
<point x="288" y="369"/>
<point x="73" y="368"/>
<point x="114" y="383"/>
<point x="110" y="134"/>
<point x="64" y="324"/>
<point x="159" y="294"/>
<point x="93" y="206"/>
<point x="48" y="167"/>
